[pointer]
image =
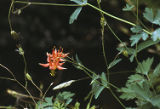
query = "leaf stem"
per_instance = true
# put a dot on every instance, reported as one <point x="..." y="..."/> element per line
<point x="117" y="18"/>
<point x="47" y="4"/>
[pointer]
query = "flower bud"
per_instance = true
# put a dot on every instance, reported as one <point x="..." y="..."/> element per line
<point x="125" y="53"/>
<point x="28" y="77"/>
<point x="14" y="34"/>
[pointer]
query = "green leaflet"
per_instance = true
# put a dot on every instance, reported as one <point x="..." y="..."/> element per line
<point x="143" y="45"/>
<point x="135" y="38"/>
<point x="127" y="92"/>
<point x="146" y="44"/>
<point x="148" y="14"/>
<point x="156" y="72"/>
<point x="128" y="7"/>
<point x="65" y="96"/>
<point x="136" y="29"/>
<point x="79" y="63"/>
<point x="156" y="35"/>
<point x="156" y="101"/>
<point x="74" y="15"/>
<point x="145" y="66"/>
<point x="80" y="2"/>
<point x="114" y="62"/>
<point x="97" y="87"/>
<point x="46" y="103"/>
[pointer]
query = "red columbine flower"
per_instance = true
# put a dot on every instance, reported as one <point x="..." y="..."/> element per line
<point x="55" y="60"/>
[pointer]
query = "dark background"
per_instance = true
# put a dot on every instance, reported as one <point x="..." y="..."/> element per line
<point x="42" y="27"/>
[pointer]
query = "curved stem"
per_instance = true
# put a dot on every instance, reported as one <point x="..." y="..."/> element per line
<point x="18" y="82"/>
<point x="9" y="15"/>
<point x="117" y="99"/>
<point x="25" y="70"/>
<point x="102" y="22"/>
<point x="41" y="93"/>
<point x="117" y="18"/>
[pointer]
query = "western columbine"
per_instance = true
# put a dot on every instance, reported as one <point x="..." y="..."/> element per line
<point x="55" y="60"/>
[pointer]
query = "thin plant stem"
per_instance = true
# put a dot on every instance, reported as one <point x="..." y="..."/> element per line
<point x="7" y="107"/>
<point x="7" y="78"/>
<point x="18" y="82"/>
<point x="117" y="18"/>
<point x="137" y="11"/>
<point x="89" y="103"/>
<point x="151" y="84"/>
<point x="41" y="93"/>
<point x="46" y="91"/>
<point x="45" y="4"/>
<point x="25" y="70"/>
<point x="117" y="99"/>
<point x="9" y="15"/>
<point x="102" y="22"/>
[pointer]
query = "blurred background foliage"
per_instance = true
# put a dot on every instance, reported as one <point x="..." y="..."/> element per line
<point x="42" y="27"/>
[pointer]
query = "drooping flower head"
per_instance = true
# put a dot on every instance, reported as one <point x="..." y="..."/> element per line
<point x="55" y="60"/>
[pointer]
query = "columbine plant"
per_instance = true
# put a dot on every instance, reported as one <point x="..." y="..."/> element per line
<point x="141" y="87"/>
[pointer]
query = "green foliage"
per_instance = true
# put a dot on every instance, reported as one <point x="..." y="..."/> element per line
<point x="61" y="101"/>
<point x="156" y="35"/>
<point x="79" y="2"/>
<point x="145" y="66"/>
<point x="141" y="46"/>
<point x="64" y="97"/>
<point x="76" y="13"/>
<point x="128" y="7"/>
<point x="139" y="35"/>
<point x="97" y="86"/>
<point x="46" y="104"/>
<point x="136" y="29"/>
<point x="141" y="86"/>
<point x="77" y="105"/>
<point x="148" y="14"/>
<point x="135" y="38"/>
<point x="114" y="62"/>
<point x="78" y="64"/>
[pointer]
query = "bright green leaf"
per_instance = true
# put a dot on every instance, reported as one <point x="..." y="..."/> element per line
<point x="113" y="63"/>
<point x="157" y="18"/>
<point x="148" y="14"/>
<point x="136" y="29"/>
<point x="135" y="38"/>
<point x="65" y="96"/>
<point x="104" y="79"/>
<point x="155" y="101"/>
<point x="46" y="103"/>
<point x="97" y="88"/>
<point x="146" y="44"/>
<point x="142" y="91"/>
<point x="135" y="78"/>
<point x="156" y="71"/>
<point x="74" y="15"/>
<point x="156" y="34"/>
<point x="127" y="93"/>
<point x="80" y="2"/>
<point x="128" y="7"/>
<point x="145" y="66"/>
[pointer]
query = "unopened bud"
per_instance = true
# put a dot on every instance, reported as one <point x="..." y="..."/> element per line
<point x="14" y="34"/>
<point x="125" y="53"/>
<point x="28" y="77"/>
